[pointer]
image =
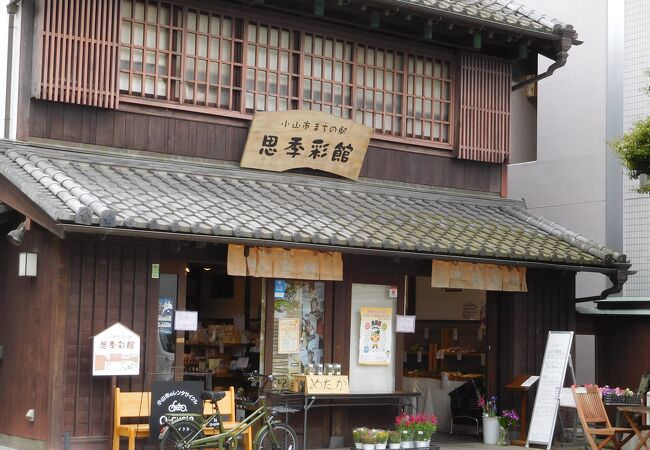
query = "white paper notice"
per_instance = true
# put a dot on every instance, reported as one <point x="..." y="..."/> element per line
<point x="288" y="335"/>
<point x="186" y="320"/>
<point x="405" y="324"/>
<point x="530" y="381"/>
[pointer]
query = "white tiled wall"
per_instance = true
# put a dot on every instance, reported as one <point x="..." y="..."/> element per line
<point x="636" y="207"/>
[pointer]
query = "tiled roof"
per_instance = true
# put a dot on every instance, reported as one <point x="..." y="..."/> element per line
<point x="500" y="12"/>
<point x="150" y="193"/>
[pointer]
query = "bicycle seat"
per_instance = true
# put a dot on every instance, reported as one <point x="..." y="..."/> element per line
<point x="213" y="396"/>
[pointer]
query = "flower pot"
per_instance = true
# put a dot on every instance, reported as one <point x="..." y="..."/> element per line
<point x="368" y="446"/>
<point x="422" y="444"/>
<point x="504" y="436"/>
<point x="358" y="445"/>
<point x="490" y="430"/>
<point x="379" y="446"/>
<point x="408" y="444"/>
<point x="395" y="445"/>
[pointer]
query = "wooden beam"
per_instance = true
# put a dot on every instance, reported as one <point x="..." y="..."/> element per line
<point x="15" y="198"/>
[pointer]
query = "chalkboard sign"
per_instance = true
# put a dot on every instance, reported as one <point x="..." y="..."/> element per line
<point x="551" y="380"/>
<point x="176" y="397"/>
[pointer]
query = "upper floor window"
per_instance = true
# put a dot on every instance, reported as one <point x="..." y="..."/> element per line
<point x="192" y="57"/>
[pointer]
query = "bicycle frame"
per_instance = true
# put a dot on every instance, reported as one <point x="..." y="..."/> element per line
<point x="222" y="439"/>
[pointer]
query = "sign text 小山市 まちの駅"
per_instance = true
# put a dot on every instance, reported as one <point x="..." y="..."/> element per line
<point x="284" y="140"/>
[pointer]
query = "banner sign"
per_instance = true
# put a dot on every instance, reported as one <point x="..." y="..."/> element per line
<point x="283" y="140"/>
<point x="116" y="351"/>
<point x="173" y="397"/>
<point x="376" y="334"/>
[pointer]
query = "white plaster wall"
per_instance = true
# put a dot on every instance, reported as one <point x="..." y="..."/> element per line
<point x="567" y="182"/>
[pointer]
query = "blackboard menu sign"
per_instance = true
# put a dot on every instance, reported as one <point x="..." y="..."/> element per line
<point x="551" y="380"/>
<point x="176" y="397"/>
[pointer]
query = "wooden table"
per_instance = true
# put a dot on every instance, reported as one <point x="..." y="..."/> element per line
<point x="628" y="412"/>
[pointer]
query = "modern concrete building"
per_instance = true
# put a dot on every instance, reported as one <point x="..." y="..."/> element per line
<point x="561" y="163"/>
<point x="636" y="207"/>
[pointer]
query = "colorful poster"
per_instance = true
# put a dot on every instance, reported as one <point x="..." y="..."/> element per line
<point x="376" y="334"/>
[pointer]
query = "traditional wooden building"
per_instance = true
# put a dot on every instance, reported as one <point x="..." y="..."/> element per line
<point x="125" y="180"/>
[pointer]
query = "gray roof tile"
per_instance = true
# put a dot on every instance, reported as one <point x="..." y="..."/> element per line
<point x="127" y="191"/>
<point x="498" y="12"/>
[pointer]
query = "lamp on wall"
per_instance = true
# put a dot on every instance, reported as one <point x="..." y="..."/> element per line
<point x="27" y="263"/>
<point x="16" y="236"/>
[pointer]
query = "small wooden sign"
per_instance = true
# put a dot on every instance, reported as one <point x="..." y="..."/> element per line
<point x="327" y="384"/>
<point x="283" y="140"/>
<point x="116" y="351"/>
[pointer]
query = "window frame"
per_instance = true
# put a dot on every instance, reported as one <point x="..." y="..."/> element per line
<point x="358" y="39"/>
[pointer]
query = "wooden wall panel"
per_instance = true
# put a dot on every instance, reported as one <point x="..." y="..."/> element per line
<point x="621" y="350"/>
<point x="78" y="48"/>
<point x="28" y="334"/>
<point x="221" y="141"/>
<point x="485" y="108"/>
<point x="518" y="326"/>
<point x="109" y="282"/>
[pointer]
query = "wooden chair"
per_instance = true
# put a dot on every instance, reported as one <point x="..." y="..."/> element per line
<point x="594" y="420"/>
<point x="228" y="412"/>
<point x="130" y="405"/>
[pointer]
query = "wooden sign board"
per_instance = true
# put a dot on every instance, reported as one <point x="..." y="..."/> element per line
<point x="116" y="351"/>
<point x="551" y="380"/>
<point x="327" y="384"/>
<point x="283" y="140"/>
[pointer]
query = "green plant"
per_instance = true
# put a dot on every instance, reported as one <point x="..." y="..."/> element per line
<point x="634" y="151"/>
<point x="368" y="437"/>
<point x="382" y="436"/>
<point x="357" y="433"/>
<point x="394" y="437"/>
<point x="425" y="427"/>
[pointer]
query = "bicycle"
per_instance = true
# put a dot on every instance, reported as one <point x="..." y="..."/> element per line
<point x="187" y="431"/>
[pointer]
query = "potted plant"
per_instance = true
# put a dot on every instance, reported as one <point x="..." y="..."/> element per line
<point x="382" y="439"/>
<point x="490" y="419"/>
<point x="425" y="426"/>
<point x="405" y="428"/>
<point x="356" y="437"/>
<point x="368" y="439"/>
<point x="394" y="440"/>
<point x="507" y="419"/>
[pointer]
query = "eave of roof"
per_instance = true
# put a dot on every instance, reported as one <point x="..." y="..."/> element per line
<point x="501" y="14"/>
<point x="116" y="193"/>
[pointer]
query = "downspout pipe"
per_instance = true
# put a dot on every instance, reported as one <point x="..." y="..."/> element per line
<point x="563" y="45"/>
<point x="12" y="9"/>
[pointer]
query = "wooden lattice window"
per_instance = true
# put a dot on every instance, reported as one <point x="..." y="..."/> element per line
<point x="379" y="84"/>
<point x="327" y="75"/>
<point x="78" y="52"/>
<point x="428" y="99"/>
<point x="199" y="58"/>
<point x="272" y="68"/>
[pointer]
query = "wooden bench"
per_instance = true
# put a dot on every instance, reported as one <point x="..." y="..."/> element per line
<point x="130" y="405"/>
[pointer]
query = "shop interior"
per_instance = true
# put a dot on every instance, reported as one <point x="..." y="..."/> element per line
<point x="447" y="349"/>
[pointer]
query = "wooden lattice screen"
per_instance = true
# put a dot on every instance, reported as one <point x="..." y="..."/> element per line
<point x="76" y="58"/>
<point x="485" y="109"/>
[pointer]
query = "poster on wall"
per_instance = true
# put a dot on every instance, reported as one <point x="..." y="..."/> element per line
<point x="116" y="351"/>
<point x="288" y="335"/>
<point x="376" y="335"/>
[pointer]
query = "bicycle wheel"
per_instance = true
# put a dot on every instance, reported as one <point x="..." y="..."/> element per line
<point x="175" y="438"/>
<point x="284" y="435"/>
